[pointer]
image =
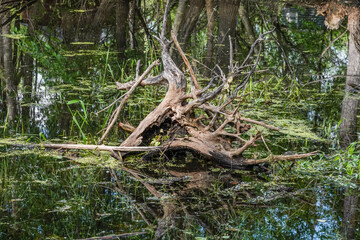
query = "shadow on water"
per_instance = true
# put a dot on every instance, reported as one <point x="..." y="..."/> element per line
<point x="67" y="196"/>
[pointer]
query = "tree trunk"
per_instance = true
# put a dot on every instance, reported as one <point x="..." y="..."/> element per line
<point x="67" y="25"/>
<point x="132" y="24"/>
<point x="10" y="82"/>
<point x="1" y="49"/>
<point x="244" y="15"/>
<point x="228" y="11"/>
<point x="210" y="14"/>
<point x="189" y="20"/>
<point x="179" y="16"/>
<point x="348" y="126"/>
<point x="27" y="72"/>
<point x="351" y="211"/>
<point x="122" y="13"/>
<point x="2" y="81"/>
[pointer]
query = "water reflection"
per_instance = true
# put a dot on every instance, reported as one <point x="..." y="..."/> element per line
<point x="351" y="212"/>
<point x="54" y="197"/>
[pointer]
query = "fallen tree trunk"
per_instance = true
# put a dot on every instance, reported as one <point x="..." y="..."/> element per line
<point x="190" y="120"/>
<point x="203" y="120"/>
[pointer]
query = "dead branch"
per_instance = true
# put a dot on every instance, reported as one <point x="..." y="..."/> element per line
<point x="259" y="123"/>
<point x="332" y="43"/>
<point x="94" y="147"/>
<point x="247" y="144"/>
<point x="126" y="97"/>
<point x="194" y="84"/>
<point x="153" y="80"/>
<point x="111" y="237"/>
<point x="274" y="158"/>
<point x="126" y="127"/>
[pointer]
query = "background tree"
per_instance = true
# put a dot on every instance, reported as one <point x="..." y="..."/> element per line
<point x="350" y="105"/>
<point x="10" y="80"/>
<point x="228" y="13"/>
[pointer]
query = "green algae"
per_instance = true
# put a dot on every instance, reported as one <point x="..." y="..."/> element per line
<point x="105" y="160"/>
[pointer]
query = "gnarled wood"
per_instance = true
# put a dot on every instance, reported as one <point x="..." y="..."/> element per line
<point x="203" y="134"/>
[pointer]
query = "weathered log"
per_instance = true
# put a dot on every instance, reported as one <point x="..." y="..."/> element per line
<point x="205" y="134"/>
<point x="87" y="147"/>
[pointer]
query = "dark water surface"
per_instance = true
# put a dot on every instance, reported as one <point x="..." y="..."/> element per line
<point x="48" y="196"/>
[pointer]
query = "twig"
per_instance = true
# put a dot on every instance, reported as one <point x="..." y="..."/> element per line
<point x="231" y="55"/>
<point x="194" y="82"/>
<point x="259" y="123"/>
<point x="332" y="42"/>
<point x="126" y="97"/>
<point x="110" y="104"/>
<point x="110" y="237"/>
<point x="278" y="158"/>
<point x="263" y="139"/>
<point x="247" y="144"/>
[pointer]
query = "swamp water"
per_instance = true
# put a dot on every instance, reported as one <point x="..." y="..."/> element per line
<point x="54" y="195"/>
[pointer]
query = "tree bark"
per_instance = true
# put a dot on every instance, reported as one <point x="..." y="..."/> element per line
<point x="349" y="110"/>
<point x="244" y="15"/>
<point x="228" y="10"/>
<point x="179" y="16"/>
<point x="210" y="14"/>
<point x="351" y="212"/>
<point x="10" y="81"/>
<point x="1" y="48"/>
<point x="2" y="81"/>
<point x="189" y="20"/>
<point x="27" y="72"/>
<point x="132" y="24"/>
<point x="122" y="13"/>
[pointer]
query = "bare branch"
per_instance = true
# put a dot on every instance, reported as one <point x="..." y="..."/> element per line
<point x="274" y="158"/>
<point x="126" y="127"/>
<point x="231" y="55"/>
<point x="332" y="42"/>
<point x="259" y="123"/>
<point x="153" y="80"/>
<point x="247" y="144"/>
<point x="194" y="83"/>
<point x="162" y="36"/>
<point x="95" y="147"/>
<point x="126" y="97"/>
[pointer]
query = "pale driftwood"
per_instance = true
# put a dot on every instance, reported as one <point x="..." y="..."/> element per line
<point x="97" y="147"/>
<point x="194" y="83"/>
